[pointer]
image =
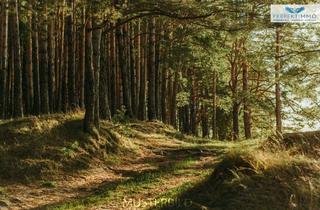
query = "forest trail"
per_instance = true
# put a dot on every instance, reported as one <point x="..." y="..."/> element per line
<point x="48" y="163"/>
<point x="187" y="165"/>
<point x="164" y="163"/>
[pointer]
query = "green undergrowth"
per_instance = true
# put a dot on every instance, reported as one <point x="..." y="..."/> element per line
<point x="276" y="174"/>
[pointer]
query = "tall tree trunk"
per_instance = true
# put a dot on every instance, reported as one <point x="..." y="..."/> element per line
<point x="113" y="72"/>
<point x="4" y="60"/>
<point x="121" y="34"/>
<point x="138" y="64"/>
<point x="157" y="69"/>
<point x="18" y="108"/>
<point x="246" y="106"/>
<point x="51" y="74"/>
<point x="82" y="56"/>
<point x="151" y="71"/>
<point x="164" y="75"/>
<point x="193" y="103"/>
<point x="96" y="43"/>
<point x="71" y="40"/>
<point x="43" y="64"/>
<point x="174" y="100"/>
<point x="277" y="80"/>
<point x="90" y="93"/>
<point x="30" y="67"/>
<point x="133" y="75"/>
<point x="143" y="73"/>
<point x="214" y="106"/>
<point x="235" y="120"/>
<point x="234" y="89"/>
<point x="35" y="58"/>
<point x="204" y="116"/>
<point x="104" y="80"/>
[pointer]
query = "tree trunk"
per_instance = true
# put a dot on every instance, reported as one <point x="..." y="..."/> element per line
<point x="174" y="100"/>
<point x="235" y="120"/>
<point x="204" y="117"/>
<point x="234" y="89"/>
<point x="164" y="75"/>
<point x="143" y="73"/>
<point x="103" y="87"/>
<point x="90" y="90"/>
<point x="277" y="80"/>
<point x="51" y="75"/>
<point x="122" y="55"/>
<point x="18" y="108"/>
<point x="246" y="106"/>
<point x="151" y="71"/>
<point x="214" y="106"/>
<point x="157" y="70"/>
<point x="82" y="56"/>
<point x="96" y="43"/>
<point x="36" y="73"/>
<point x="138" y="64"/>
<point x="71" y="42"/>
<point x="113" y="73"/>
<point x="4" y="60"/>
<point x="43" y="64"/>
<point x="133" y="76"/>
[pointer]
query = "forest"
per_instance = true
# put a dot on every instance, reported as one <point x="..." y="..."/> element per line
<point x="158" y="104"/>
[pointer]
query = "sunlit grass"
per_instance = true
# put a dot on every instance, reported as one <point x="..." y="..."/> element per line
<point x="117" y="192"/>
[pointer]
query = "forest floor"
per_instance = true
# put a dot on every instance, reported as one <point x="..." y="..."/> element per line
<point x="48" y="163"/>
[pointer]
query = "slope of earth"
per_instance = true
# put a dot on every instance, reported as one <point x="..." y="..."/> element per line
<point x="49" y="163"/>
<point x="281" y="174"/>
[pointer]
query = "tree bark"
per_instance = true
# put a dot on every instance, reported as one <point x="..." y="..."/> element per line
<point x="152" y="71"/>
<point x="121" y="34"/>
<point x="4" y="60"/>
<point x="18" y="107"/>
<point x="51" y="67"/>
<point x="113" y="73"/>
<point x="43" y="60"/>
<point x="90" y="93"/>
<point x="143" y="73"/>
<point x="36" y="72"/>
<point x="71" y="41"/>
<point x="96" y="44"/>
<point x="277" y="82"/>
<point x="214" y="106"/>
<point x="82" y="56"/>
<point x="234" y="58"/>
<point x="104" y="80"/>
<point x="138" y="64"/>
<point x="133" y="76"/>
<point x="246" y="106"/>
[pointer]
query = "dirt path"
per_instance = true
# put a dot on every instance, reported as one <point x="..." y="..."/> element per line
<point x="140" y="180"/>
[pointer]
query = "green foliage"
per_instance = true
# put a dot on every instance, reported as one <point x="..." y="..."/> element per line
<point x="49" y="184"/>
<point x="71" y="150"/>
<point x="121" y="116"/>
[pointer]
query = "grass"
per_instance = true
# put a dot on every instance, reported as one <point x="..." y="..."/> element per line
<point x="253" y="178"/>
<point x="49" y="184"/>
<point x="3" y="191"/>
<point x="276" y="174"/>
<point x="47" y="147"/>
<point x="119" y="192"/>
